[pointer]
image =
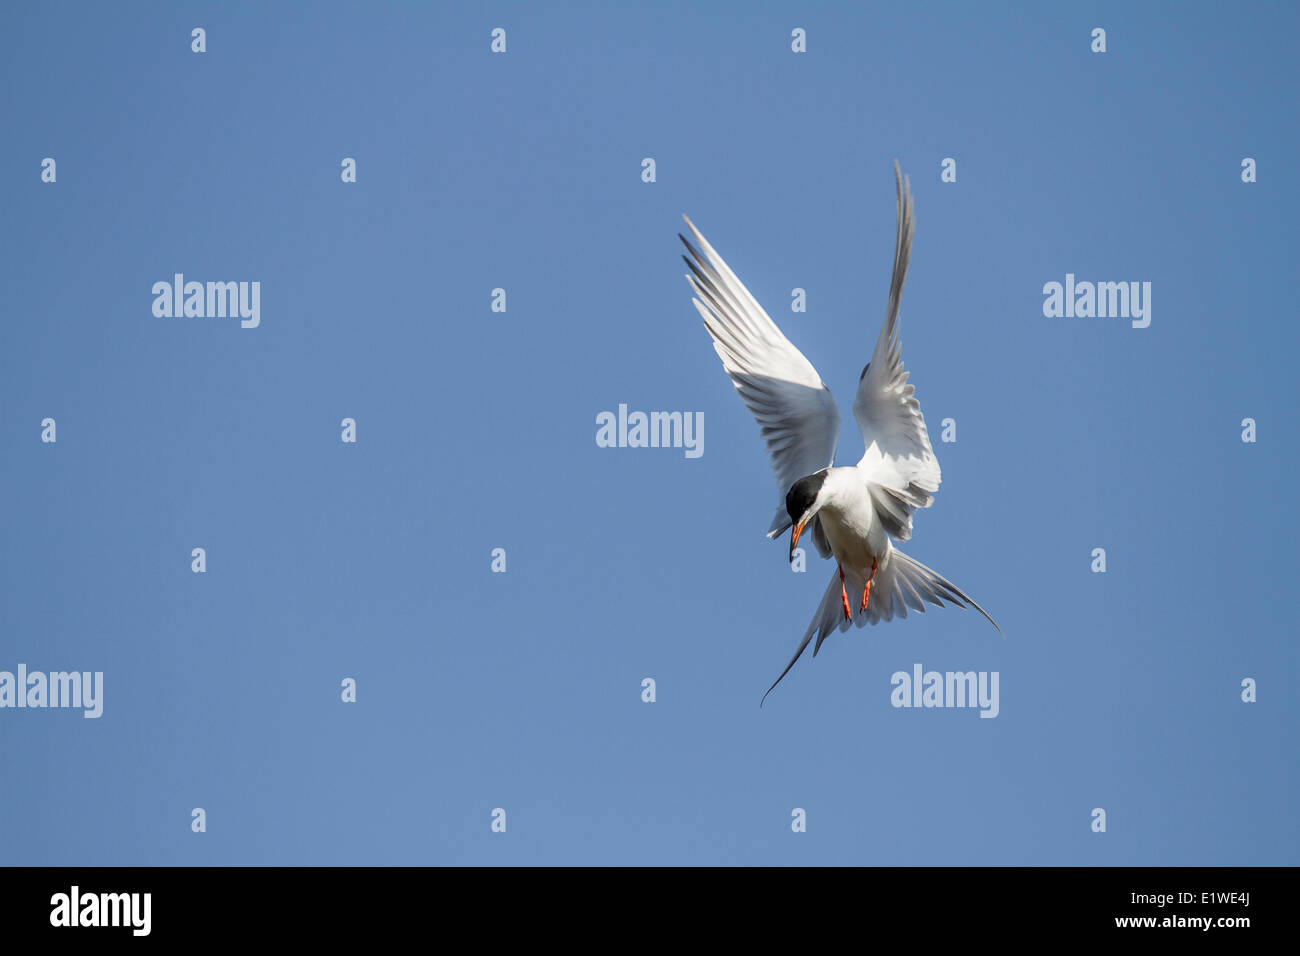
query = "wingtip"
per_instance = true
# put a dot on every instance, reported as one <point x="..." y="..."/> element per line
<point x="989" y="618"/>
<point x="902" y="183"/>
<point x="699" y="236"/>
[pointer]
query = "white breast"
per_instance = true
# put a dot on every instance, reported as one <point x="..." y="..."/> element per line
<point x="854" y="532"/>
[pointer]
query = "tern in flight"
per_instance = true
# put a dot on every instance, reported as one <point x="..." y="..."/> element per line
<point x="852" y="511"/>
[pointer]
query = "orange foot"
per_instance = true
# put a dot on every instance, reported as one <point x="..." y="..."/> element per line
<point x="844" y="598"/>
<point x="866" y="591"/>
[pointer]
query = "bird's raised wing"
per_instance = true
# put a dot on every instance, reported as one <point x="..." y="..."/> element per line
<point x="899" y="463"/>
<point x="794" y="408"/>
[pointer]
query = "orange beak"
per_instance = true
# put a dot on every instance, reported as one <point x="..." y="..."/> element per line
<point x="794" y="538"/>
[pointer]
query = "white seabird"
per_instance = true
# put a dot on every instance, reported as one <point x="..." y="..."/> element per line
<point x="850" y="512"/>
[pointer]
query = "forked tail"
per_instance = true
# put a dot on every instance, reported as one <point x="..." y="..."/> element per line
<point x="900" y="582"/>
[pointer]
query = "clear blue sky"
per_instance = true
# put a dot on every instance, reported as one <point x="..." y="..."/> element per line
<point x="476" y="430"/>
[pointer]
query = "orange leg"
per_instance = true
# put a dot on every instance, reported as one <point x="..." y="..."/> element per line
<point x="866" y="591"/>
<point x="844" y="597"/>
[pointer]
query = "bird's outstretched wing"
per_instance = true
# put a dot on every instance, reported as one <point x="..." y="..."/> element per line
<point x="794" y="408"/>
<point x="899" y="463"/>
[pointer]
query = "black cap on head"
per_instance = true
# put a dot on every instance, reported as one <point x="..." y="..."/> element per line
<point x="803" y="493"/>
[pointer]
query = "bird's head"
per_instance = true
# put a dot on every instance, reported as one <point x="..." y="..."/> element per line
<point x="802" y="501"/>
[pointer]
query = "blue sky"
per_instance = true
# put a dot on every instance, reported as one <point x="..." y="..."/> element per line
<point x="476" y="430"/>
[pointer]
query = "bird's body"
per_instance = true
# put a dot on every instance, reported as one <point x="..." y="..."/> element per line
<point x="856" y="535"/>
<point x="850" y="512"/>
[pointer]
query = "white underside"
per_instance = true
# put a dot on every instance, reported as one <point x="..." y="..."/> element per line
<point x="854" y="531"/>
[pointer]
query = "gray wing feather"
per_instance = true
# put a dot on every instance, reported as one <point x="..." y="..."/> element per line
<point x="898" y="455"/>
<point x="796" y="413"/>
